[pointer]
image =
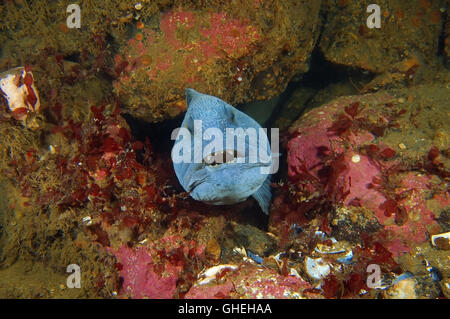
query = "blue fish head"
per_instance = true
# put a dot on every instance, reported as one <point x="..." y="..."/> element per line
<point x="227" y="173"/>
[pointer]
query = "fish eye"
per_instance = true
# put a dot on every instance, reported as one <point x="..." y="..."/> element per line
<point x="230" y="113"/>
<point x="189" y="124"/>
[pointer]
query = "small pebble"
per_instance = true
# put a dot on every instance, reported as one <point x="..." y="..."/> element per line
<point x="356" y="158"/>
<point x="87" y="220"/>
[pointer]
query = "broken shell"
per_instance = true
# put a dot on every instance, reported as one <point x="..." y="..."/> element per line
<point x="51" y="149"/>
<point x="17" y="86"/>
<point x="403" y="287"/>
<point x="240" y="251"/>
<point x="207" y="275"/>
<point x="346" y="259"/>
<point x="341" y="250"/>
<point x="317" y="268"/>
<point x="335" y="247"/>
<point x="294" y="272"/>
<point x="441" y="241"/>
<point x="87" y="220"/>
<point x="142" y="242"/>
<point x="389" y="281"/>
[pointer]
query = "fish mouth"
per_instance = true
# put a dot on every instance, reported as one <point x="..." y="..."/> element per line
<point x="222" y="157"/>
<point x="226" y="183"/>
<point x="222" y="168"/>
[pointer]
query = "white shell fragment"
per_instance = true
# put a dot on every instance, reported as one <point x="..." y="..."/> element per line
<point x="316" y="268"/>
<point x="335" y="248"/>
<point x="437" y="236"/>
<point x="87" y="220"/>
<point x="207" y="275"/>
<point x="17" y="86"/>
<point x="341" y="250"/>
<point x="346" y="259"/>
<point x="294" y="272"/>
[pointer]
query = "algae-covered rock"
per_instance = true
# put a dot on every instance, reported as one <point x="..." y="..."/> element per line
<point x="30" y="28"/>
<point x="236" y="52"/>
<point x="407" y="29"/>
<point x="447" y="43"/>
<point x="376" y="152"/>
<point x="248" y="281"/>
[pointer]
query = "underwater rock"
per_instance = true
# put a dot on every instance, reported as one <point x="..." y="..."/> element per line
<point x="155" y="270"/>
<point x="238" y="53"/>
<point x="419" y="287"/>
<point x="250" y="281"/>
<point x="445" y="287"/>
<point x="447" y="44"/>
<point x="261" y="111"/>
<point x="291" y="109"/>
<point x="403" y="289"/>
<point x="349" y="222"/>
<point x="140" y="279"/>
<point x="254" y="239"/>
<point x="407" y="29"/>
<point x="337" y="157"/>
<point x="25" y="37"/>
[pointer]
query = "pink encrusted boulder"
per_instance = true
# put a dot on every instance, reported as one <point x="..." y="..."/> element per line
<point x="421" y="221"/>
<point x="251" y="281"/>
<point x="141" y="279"/>
<point x="154" y="271"/>
<point x="338" y="153"/>
<point x="227" y="50"/>
<point x="327" y="145"/>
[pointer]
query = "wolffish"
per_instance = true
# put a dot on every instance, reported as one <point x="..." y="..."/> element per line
<point x="222" y="175"/>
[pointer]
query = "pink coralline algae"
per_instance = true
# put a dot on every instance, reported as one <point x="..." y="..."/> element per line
<point x="221" y="34"/>
<point x="216" y="49"/>
<point x="334" y="151"/>
<point x="140" y="279"/>
<point x="318" y="150"/>
<point x="217" y="36"/>
<point x="155" y="271"/>
<point x="420" y="219"/>
<point x="190" y="49"/>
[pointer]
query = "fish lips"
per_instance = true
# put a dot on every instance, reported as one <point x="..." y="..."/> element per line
<point x="227" y="183"/>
